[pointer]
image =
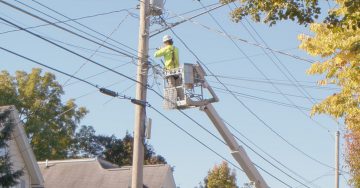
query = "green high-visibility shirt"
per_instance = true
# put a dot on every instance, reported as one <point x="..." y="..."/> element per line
<point x="171" y="56"/>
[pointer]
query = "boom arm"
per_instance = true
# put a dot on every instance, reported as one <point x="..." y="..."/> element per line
<point x="193" y="79"/>
<point x="236" y="150"/>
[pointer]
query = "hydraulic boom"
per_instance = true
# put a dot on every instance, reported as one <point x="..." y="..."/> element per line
<point x="189" y="93"/>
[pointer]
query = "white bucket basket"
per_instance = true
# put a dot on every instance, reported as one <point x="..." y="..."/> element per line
<point x="189" y="90"/>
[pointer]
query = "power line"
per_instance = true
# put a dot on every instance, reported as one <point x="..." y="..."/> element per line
<point x="117" y="42"/>
<point x="152" y="90"/>
<point x="68" y="20"/>
<point x="261" y="99"/>
<point x="87" y="49"/>
<point x="261" y="72"/>
<point x="226" y="144"/>
<point x="247" y="108"/>
<point x="241" y="39"/>
<point x="272" y="82"/>
<point x="298" y="86"/>
<point x="66" y="43"/>
<point x="262" y="79"/>
<point x="109" y="69"/>
<point x="61" y="72"/>
<point x="51" y="68"/>
<point x="68" y="50"/>
<point x="262" y="150"/>
<point x="189" y="134"/>
<point x="64" y="29"/>
<point x="258" y="154"/>
<point x="98" y="48"/>
<point x="64" y="84"/>
<point x="318" y="178"/>
<point x="167" y="27"/>
<point x="194" y="10"/>
<point x="96" y="86"/>
<point x="199" y="61"/>
<point x="186" y="132"/>
<point x="99" y="73"/>
<point x="283" y="65"/>
<point x="272" y="92"/>
<point x="228" y="60"/>
<point x="125" y="53"/>
<point x="300" y="89"/>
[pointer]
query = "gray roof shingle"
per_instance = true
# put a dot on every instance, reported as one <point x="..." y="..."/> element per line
<point x="97" y="173"/>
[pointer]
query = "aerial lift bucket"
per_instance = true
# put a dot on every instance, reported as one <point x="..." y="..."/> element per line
<point x="186" y="87"/>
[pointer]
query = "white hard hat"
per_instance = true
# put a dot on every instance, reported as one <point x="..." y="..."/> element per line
<point x="167" y="38"/>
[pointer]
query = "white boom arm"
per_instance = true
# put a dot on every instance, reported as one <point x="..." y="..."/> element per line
<point x="193" y="76"/>
<point x="236" y="150"/>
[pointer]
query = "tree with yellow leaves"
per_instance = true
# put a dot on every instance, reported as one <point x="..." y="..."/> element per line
<point x="221" y="176"/>
<point x="338" y="43"/>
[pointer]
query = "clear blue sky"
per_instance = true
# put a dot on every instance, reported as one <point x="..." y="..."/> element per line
<point x="190" y="159"/>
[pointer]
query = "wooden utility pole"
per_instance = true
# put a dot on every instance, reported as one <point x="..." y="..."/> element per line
<point x="337" y="173"/>
<point x="140" y="113"/>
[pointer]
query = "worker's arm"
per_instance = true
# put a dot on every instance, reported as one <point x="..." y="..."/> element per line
<point x="160" y="52"/>
<point x="177" y="61"/>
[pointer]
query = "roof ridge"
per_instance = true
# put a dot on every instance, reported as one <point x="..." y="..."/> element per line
<point x="68" y="160"/>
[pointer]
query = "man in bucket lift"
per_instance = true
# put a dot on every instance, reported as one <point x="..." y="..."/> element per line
<point x="171" y="57"/>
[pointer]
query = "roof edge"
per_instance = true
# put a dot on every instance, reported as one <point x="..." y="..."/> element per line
<point x="68" y="161"/>
<point x="22" y="142"/>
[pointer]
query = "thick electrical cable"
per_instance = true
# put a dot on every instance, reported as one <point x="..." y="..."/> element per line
<point x="96" y="86"/>
<point x="273" y="92"/>
<point x="262" y="73"/>
<point x="68" y="50"/>
<point x="241" y="39"/>
<point x="85" y="26"/>
<point x="244" y="95"/>
<point x="276" y="82"/>
<point x="183" y="21"/>
<point x="64" y="29"/>
<point x="109" y="69"/>
<point x="67" y="20"/>
<point x="262" y="150"/>
<point x="194" y="10"/>
<point x="300" y="89"/>
<point x="250" y="110"/>
<point x="258" y="154"/>
<point x="192" y="136"/>
<point x="51" y="68"/>
<point x="98" y="48"/>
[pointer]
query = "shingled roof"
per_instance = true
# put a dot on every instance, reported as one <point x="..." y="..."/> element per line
<point x="95" y="173"/>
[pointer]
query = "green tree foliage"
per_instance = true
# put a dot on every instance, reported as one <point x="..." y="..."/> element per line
<point x="115" y="150"/>
<point x="345" y="17"/>
<point x="271" y="11"/>
<point x="8" y="177"/>
<point x="301" y="11"/>
<point x="221" y="176"/>
<point x="339" y="45"/>
<point x="49" y="123"/>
